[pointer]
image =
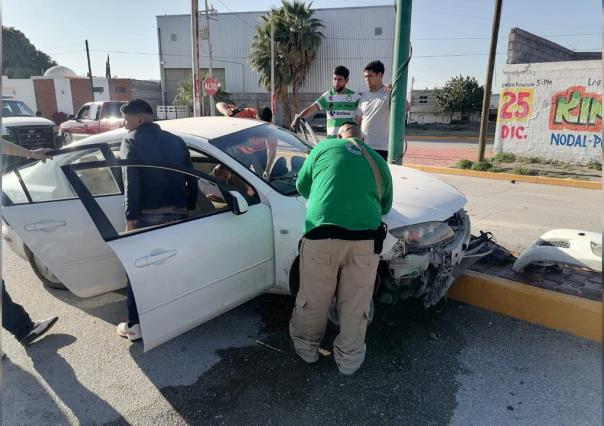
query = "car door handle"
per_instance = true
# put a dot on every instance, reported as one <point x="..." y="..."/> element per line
<point x="154" y="258"/>
<point x="45" y="225"/>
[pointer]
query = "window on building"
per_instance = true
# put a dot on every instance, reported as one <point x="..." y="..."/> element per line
<point x="173" y="37"/>
<point x="423" y="99"/>
<point x="378" y="31"/>
<point x="119" y="89"/>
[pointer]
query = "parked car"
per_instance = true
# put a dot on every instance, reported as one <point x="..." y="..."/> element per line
<point x="318" y="122"/>
<point x="92" y="118"/>
<point x="240" y="241"/>
<point x="21" y="126"/>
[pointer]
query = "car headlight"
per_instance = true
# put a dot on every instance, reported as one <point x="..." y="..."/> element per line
<point x="4" y="130"/>
<point x="423" y="235"/>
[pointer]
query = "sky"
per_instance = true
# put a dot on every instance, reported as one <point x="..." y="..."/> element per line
<point x="448" y="37"/>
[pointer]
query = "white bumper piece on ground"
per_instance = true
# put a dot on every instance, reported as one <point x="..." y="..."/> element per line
<point x="564" y="246"/>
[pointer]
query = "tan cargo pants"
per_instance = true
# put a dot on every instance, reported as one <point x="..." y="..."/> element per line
<point x="321" y="262"/>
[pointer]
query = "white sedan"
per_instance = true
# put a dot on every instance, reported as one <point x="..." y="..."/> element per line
<point x="241" y="240"/>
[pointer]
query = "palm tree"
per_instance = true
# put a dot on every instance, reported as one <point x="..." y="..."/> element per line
<point x="297" y="39"/>
<point x="261" y="62"/>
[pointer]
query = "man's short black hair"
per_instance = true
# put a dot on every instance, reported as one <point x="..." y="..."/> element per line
<point x="375" y="66"/>
<point x="136" y="106"/>
<point x="266" y="114"/>
<point x="341" y="70"/>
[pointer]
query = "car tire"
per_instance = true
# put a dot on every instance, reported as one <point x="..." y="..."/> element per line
<point x="67" y="138"/>
<point x="48" y="279"/>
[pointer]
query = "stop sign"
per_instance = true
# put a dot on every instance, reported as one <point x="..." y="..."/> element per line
<point x="210" y="86"/>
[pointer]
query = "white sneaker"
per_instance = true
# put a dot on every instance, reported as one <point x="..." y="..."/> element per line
<point x="132" y="333"/>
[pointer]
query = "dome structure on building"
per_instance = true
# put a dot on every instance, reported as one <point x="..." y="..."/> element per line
<point x="60" y="71"/>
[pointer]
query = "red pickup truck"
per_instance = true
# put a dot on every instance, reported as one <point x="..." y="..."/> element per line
<point x="91" y="119"/>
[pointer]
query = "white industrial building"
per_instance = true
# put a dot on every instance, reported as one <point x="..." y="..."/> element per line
<point x="354" y="36"/>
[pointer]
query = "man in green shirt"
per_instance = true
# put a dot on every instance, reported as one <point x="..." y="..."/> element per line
<point x="338" y="250"/>
<point x="339" y="103"/>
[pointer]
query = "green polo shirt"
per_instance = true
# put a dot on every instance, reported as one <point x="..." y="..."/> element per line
<point x="340" y="187"/>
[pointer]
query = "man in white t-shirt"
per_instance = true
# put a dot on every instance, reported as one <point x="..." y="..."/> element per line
<point x="373" y="112"/>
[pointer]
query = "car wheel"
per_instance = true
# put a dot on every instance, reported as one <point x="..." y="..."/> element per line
<point x="48" y="278"/>
<point x="67" y="139"/>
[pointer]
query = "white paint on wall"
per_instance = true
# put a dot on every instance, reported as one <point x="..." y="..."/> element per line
<point x="101" y="82"/>
<point x="21" y="89"/>
<point x="551" y="110"/>
<point x="63" y="95"/>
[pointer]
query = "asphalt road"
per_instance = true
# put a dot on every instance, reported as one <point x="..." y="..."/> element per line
<point x="518" y="213"/>
<point x="459" y="366"/>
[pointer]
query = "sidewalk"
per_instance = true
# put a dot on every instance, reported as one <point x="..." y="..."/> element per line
<point x="444" y="155"/>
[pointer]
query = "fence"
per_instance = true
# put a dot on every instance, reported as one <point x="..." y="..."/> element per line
<point x="170" y="112"/>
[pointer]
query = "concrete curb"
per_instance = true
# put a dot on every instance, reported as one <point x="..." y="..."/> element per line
<point x="570" y="314"/>
<point x="585" y="184"/>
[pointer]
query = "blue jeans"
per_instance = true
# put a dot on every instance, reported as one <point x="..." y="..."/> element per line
<point x="143" y="221"/>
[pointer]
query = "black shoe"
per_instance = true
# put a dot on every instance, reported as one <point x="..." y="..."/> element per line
<point x="38" y="330"/>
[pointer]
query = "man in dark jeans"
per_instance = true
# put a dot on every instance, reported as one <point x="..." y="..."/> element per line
<point x="14" y="318"/>
<point x="152" y="196"/>
<point x="18" y="323"/>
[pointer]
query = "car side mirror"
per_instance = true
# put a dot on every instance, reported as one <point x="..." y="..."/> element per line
<point x="238" y="203"/>
<point x="71" y="117"/>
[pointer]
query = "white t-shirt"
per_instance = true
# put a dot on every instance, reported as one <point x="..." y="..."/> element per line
<point x="374" y="107"/>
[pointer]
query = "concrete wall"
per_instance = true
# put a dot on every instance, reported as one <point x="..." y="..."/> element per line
<point x="527" y="48"/>
<point x="353" y="37"/>
<point x="551" y="110"/>
<point x="63" y="95"/>
<point x="21" y="89"/>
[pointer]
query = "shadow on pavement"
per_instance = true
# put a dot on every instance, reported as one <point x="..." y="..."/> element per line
<point x="409" y="375"/>
<point x="60" y="376"/>
<point x="110" y="307"/>
<point x="17" y="388"/>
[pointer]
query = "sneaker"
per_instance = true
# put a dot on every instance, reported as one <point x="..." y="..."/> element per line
<point x="40" y="327"/>
<point x="132" y="333"/>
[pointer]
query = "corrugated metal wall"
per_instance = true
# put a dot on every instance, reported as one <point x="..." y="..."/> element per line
<point x="353" y="37"/>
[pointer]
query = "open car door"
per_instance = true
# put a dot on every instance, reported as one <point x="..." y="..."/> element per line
<point x="195" y="267"/>
<point x="43" y="209"/>
<point x="305" y="132"/>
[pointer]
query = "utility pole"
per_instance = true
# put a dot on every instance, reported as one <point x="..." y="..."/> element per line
<point x="90" y="72"/>
<point x="273" y="103"/>
<point x="210" y="73"/>
<point x="399" y="81"/>
<point x="195" y="71"/>
<point x="486" y="98"/>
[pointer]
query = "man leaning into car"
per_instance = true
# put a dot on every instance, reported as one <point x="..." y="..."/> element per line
<point x="152" y="196"/>
<point x="348" y="187"/>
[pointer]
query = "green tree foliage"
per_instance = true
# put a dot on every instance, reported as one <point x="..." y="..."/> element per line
<point x="20" y="58"/>
<point x="460" y="94"/>
<point x="297" y="39"/>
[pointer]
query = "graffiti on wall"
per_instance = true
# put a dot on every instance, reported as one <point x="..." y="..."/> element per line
<point x="558" y="117"/>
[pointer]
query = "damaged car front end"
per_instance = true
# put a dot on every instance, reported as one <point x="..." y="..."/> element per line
<point x="425" y="260"/>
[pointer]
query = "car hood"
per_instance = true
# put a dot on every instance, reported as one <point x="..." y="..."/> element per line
<point x="26" y="121"/>
<point x="419" y="197"/>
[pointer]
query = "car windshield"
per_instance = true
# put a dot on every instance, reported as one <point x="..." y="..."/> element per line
<point x="274" y="154"/>
<point x="15" y="109"/>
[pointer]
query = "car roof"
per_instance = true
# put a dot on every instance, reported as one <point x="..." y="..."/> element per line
<point x="207" y="128"/>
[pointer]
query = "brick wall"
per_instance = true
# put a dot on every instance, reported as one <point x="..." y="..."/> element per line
<point x="46" y="99"/>
<point x="80" y="92"/>
<point x="120" y="89"/>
